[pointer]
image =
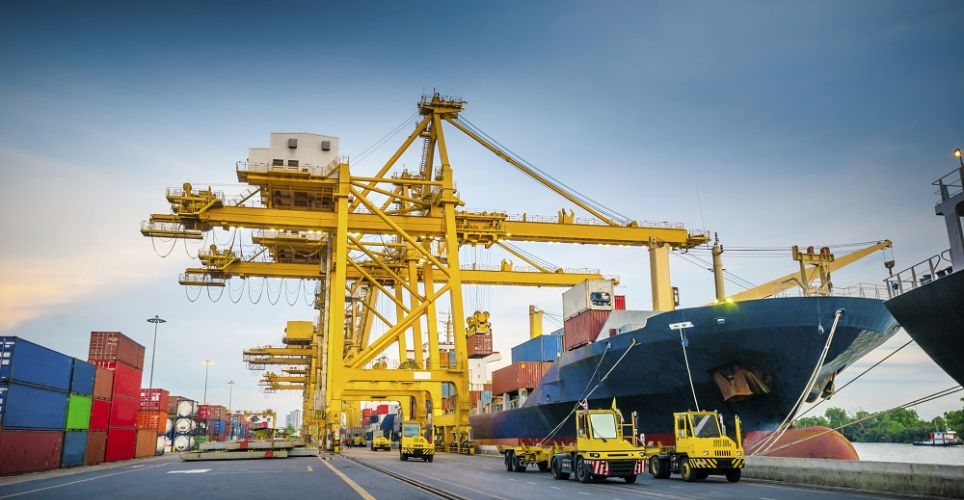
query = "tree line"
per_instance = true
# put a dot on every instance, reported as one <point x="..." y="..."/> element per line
<point x="897" y="426"/>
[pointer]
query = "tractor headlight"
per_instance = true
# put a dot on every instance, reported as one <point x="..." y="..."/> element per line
<point x="594" y="455"/>
<point x="739" y="453"/>
<point x="706" y="453"/>
<point x="642" y="454"/>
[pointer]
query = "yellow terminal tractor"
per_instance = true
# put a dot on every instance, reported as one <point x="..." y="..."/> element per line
<point x="380" y="442"/>
<point x="413" y="444"/>
<point x="702" y="448"/>
<point x="603" y="449"/>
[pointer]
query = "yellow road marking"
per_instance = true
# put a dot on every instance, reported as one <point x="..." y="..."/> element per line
<point x="358" y="489"/>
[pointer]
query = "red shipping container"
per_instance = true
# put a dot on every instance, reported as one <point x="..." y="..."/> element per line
<point x="367" y="412"/>
<point x="155" y="399"/>
<point x="115" y="346"/>
<point x="146" y="445"/>
<point x="479" y="345"/>
<point x="381" y="410"/>
<point x="127" y="380"/>
<point x="96" y="446"/>
<point x="123" y="412"/>
<point x="583" y="328"/>
<point x="152" y="420"/>
<point x="620" y="303"/>
<point x="99" y="415"/>
<point x="519" y="376"/>
<point x="27" y="451"/>
<point x="120" y="444"/>
<point x="474" y="397"/>
<point x="103" y="383"/>
<point x="203" y="412"/>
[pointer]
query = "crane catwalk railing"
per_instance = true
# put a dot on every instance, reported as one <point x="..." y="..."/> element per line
<point x="951" y="184"/>
<point x="920" y="274"/>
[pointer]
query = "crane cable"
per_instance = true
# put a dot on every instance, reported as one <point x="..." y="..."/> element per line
<point x="918" y="401"/>
<point x="569" y="190"/>
<point x="770" y="440"/>
<point x="885" y="358"/>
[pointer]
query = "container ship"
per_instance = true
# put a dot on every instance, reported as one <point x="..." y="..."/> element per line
<point x="928" y="298"/>
<point x="751" y="358"/>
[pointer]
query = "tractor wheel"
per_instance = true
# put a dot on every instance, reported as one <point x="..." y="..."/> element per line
<point x="733" y="475"/>
<point x="517" y="464"/>
<point x="403" y="456"/>
<point x="556" y="468"/>
<point x="582" y="475"/>
<point x="659" y="468"/>
<point x="509" y="458"/>
<point x="689" y="473"/>
<point x="429" y="458"/>
<point x="543" y="466"/>
<point x="630" y="479"/>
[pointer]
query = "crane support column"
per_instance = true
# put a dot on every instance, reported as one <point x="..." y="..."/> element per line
<point x="718" y="270"/>
<point x="659" y="276"/>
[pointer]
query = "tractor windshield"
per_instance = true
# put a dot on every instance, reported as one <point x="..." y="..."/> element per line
<point x="603" y="425"/>
<point x="410" y="430"/>
<point x="705" y="426"/>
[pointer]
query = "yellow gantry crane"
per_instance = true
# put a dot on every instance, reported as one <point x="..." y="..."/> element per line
<point x="393" y="235"/>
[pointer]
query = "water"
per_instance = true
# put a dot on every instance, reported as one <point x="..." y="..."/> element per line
<point x="908" y="453"/>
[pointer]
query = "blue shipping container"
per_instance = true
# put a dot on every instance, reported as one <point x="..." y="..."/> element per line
<point x="541" y="348"/>
<point x="218" y="426"/>
<point x="388" y="424"/>
<point x="373" y="419"/>
<point x="82" y="378"/>
<point x="486" y="397"/>
<point x="75" y="447"/>
<point x="27" y="407"/>
<point x="28" y="363"/>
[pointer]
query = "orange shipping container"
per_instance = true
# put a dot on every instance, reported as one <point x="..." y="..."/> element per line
<point x="519" y="376"/>
<point x="152" y="420"/>
<point x="146" y="443"/>
<point x="479" y="345"/>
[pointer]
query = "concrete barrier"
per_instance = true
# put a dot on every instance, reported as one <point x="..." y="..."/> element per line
<point x="880" y="477"/>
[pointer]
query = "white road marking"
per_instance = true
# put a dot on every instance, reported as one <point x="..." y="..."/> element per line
<point x="767" y="498"/>
<point x="188" y="471"/>
<point x="530" y="482"/>
<point x="310" y="469"/>
<point x="584" y="493"/>
<point x="510" y="479"/>
<point x="555" y="487"/>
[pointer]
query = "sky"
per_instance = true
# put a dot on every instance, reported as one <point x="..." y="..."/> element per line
<point x="769" y="123"/>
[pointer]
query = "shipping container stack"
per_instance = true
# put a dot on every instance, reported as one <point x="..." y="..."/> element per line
<point x="516" y="380"/>
<point x="125" y="358"/>
<point x="184" y="426"/>
<point x="212" y="423"/>
<point x="239" y="427"/>
<point x="99" y="415"/>
<point x="79" y="403"/>
<point x="34" y="386"/>
<point x="585" y="309"/>
<point x="152" y="422"/>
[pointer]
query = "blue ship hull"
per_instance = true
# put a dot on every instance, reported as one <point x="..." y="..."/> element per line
<point x="781" y="338"/>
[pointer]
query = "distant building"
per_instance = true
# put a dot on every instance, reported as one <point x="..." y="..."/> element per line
<point x="293" y="419"/>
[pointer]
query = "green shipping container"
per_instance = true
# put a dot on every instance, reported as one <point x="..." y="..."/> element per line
<point x="78" y="413"/>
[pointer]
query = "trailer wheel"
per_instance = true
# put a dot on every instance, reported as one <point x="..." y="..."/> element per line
<point x="733" y="475"/>
<point x="582" y="475"/>
<point x="556" y="468"/>
<point x="659" y="468"/>
<point x="543" y="466"/>
<point x="508" y="460"/>
<point x="429" y="458"/>
<point x="630" y="479"/>
<point x="689" y="473"/>
<point x="403" y="457"/>
<point x="517" y="464"/>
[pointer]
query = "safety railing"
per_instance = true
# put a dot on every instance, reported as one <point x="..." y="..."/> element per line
<point x="554" y="219"/>
<point x="300" y="168"/>
<point x="951" y="184"/>
<point x="861" y="290"/>
<point x="180" y="192"/>
<point x="920" y="274"/>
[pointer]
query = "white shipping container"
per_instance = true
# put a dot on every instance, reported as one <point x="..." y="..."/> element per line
<point x="590" y="294"/>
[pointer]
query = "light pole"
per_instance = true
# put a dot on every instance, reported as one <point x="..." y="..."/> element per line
<point x="960" y="156"/>
<point x="156" y="320"/>
<point x="230" y="417"/>
<point x="207" y="364"/>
